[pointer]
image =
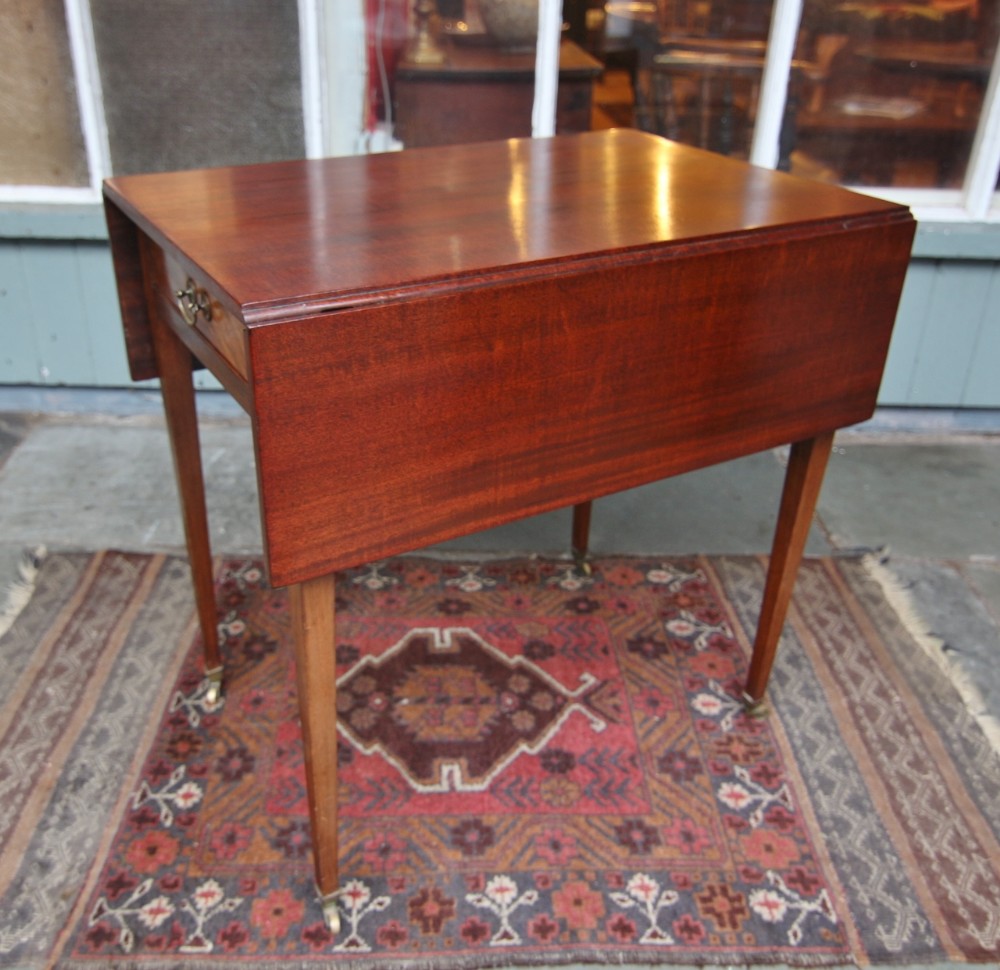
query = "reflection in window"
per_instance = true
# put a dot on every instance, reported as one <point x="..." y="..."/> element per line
<point x="471" y="77"/>
<point x="881" y="92"/>
<point x="695" y="67"/>
<point x="40" y="138"/>
<point x="189" y="84"/>
<point x="899" y="88"/>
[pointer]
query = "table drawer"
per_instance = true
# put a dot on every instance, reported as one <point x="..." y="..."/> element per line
<point x="193" y="302"/>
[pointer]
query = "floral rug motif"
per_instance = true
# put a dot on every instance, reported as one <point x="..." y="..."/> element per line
<point x="536" y="766"/>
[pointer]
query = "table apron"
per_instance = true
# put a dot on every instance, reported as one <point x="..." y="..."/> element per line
<point x="386" y="428"/>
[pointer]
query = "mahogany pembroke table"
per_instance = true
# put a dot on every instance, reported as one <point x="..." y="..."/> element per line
<point x="441" y="340"/>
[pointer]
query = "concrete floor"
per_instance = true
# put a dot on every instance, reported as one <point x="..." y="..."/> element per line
<point x="91" y="470"/>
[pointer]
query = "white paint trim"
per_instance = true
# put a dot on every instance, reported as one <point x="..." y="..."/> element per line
<point x="543" y="111"/>
<point x="49" y="195"/>
<point x="926" y="198"/>
<point x="937" y="213"/>
<point x="981" y="176"/>
<point x="314" y="95"/>
<point x="785" y="17"/>
<point x="90" y="97"/>
<point x="346" y="73"/>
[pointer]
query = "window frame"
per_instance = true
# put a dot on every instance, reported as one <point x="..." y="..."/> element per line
<point x="332" y="47"/>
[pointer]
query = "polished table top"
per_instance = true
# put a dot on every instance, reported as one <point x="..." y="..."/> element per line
<point x="342" y="232"/>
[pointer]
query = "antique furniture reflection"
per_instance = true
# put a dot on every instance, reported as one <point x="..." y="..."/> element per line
<point x="867" y="139"/>
<point x="592" y="312"/>
<point x="481" y="92"/>
<point x="624" y="35"/>
<point x="880" y="92"/>
<point x="902" y="89"/>
<point x="704" y="93"/>
<point x="887" y="102"/>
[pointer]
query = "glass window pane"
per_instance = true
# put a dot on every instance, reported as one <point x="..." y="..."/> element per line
<point x="40" y="138"/>
<point x="189" y="84"/>
<point x="466" y="72"/>
<point x="892" y="92"/>
<point x="694" y="67"/>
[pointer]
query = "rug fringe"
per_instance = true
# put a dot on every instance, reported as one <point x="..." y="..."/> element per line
<point x="898" y="596"/>
<point x="19" y="592"/>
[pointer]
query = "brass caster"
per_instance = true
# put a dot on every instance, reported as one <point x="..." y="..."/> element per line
<point x="755" y="708"/>
<point x="213" y="692"/>
<point x="581" y="563"/>
<point x="331" y="913"/>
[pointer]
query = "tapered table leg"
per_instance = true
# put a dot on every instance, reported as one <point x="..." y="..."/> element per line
<point x="803" y="479"/>
<point x="313" y="622"/>
<point x="177" y="387"/>
<point x="581" y="532"/>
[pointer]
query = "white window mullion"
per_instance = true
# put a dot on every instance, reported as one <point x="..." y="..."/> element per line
<point x="543" y="113"/>
<point x="80" y="28"/>
<point x="984" y="162"/>
<point x="314" y="93"/>
<point x="785" y="17"/>
<point x="342" y="52"/>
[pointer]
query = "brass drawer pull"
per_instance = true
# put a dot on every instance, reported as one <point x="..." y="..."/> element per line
<point x="193" y="300"/>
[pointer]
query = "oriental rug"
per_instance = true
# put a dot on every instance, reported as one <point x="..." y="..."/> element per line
<point x="538" y="767"/>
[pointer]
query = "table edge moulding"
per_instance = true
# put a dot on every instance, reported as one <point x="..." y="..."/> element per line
<point x="437" y="341"/>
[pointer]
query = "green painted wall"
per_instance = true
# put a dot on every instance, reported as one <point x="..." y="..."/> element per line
<point x="946" y="346"/>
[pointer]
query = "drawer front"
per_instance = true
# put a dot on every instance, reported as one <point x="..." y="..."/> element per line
<point x="198" y="307"/>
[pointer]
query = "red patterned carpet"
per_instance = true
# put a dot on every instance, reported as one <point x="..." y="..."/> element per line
<point x="540" y="768"/>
